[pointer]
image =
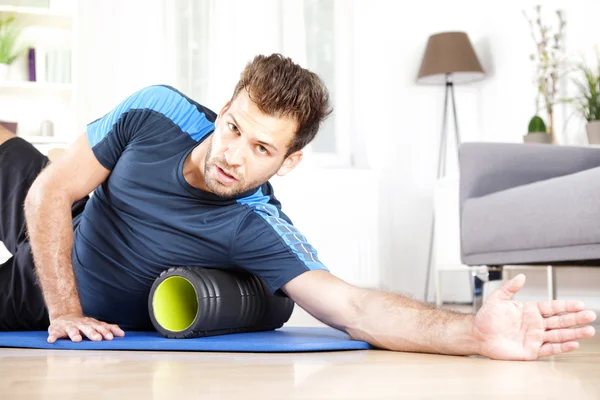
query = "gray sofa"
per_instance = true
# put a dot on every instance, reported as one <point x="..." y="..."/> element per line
<point x="529" y="204"/>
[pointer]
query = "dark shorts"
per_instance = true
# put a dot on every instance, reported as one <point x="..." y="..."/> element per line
<point x="22" y="305"/>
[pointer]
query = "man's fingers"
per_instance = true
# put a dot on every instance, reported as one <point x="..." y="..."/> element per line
<point x="116" y="330"/>
<point x="73" y="333"/>
<point x="508" y="288"/>
<point x="90" y="332"/>
<point x="108" y="331"/>
<point x="54" y="334"/>
<point x="569" y="320"/>
<point x="104" y="330"/>
<point x="568" y="335"/>
<point x="76" y="327"/>
<point x="551" y="349"/>
<point x="550" y="308"/>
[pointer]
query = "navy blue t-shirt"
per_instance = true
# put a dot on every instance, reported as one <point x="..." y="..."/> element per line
<point x="146" y="218"/>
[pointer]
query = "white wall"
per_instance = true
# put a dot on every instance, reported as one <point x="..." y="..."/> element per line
<point x="402" y="120"/>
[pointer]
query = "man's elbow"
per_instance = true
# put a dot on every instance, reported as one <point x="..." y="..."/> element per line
<point x="354" y="313"/>
<point x="37" y="195"/>
<point x="33" y="198"/>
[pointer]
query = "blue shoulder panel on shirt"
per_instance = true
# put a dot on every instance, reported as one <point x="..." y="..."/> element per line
<point x="260" y="202"/>
<point x="295" y="240"/>
<point x="162" y="99"/>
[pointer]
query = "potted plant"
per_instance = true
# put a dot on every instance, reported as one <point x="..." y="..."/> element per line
<point x="587" y="99"/>
<point x="547" y="58"/>
<point x="537" y="132"/>
<point x="9" y="33"/>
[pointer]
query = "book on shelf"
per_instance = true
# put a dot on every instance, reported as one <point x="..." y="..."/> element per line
<point x="31" y="62"/>
<point x="50" y="65"/>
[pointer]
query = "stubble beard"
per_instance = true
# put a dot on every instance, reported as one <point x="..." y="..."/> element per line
<point x="212" y="183"/>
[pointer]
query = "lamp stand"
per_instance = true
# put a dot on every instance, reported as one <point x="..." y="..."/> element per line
<point x="441" y="170"/>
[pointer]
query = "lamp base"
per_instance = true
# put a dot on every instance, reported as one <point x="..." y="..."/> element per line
<point x="442" y="166"/>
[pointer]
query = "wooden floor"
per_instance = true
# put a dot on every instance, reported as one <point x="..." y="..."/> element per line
<point x="52" y="374"/>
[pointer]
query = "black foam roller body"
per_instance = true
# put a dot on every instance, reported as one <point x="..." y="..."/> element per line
<point x="225" y="302"/>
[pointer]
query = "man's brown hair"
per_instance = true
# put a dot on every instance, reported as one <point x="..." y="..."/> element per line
<point x="281" y="88"/>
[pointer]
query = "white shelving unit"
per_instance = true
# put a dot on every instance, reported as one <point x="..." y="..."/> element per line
<point x="32" y="86"/>
<point x="29" y="103"/>
<point x="38" y="15"/>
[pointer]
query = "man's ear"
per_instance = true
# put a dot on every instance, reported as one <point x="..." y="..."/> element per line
<point x="290" y="163"/>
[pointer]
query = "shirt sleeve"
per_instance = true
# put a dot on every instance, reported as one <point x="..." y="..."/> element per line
<point x="273" y="249"/>
<point x="110" y="135"/>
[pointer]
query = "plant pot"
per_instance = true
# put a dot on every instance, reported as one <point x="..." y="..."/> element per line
<point x="538" y="137"/>
<point x="593" y="132"/>
<point x="3" y="72"/>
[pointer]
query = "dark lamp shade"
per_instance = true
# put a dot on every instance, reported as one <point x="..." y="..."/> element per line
<point x="449" y="53"/>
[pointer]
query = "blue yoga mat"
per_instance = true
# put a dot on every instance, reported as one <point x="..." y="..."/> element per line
<point x="286" y="339"/>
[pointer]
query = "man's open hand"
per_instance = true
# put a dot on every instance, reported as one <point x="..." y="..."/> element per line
<point x="510" y="330"/>
<point x="74" y="325"/>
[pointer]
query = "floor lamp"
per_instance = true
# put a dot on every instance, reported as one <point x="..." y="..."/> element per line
<point x="449" y="59"/>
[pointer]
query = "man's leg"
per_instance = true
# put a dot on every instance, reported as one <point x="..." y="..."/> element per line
<point x="20" y="164"/>
<point x="22" y="306"/>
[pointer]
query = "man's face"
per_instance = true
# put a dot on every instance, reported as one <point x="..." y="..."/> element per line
<point x="247" y="148"/>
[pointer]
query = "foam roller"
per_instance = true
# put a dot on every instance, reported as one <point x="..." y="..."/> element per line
<point x="187" y="302"/>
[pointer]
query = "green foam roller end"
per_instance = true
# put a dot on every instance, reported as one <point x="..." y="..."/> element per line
<point x="175" y="304"/>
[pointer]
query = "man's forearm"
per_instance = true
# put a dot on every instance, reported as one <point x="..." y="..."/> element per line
<point x="50" y="230"/>
<point x="393" y="322"/>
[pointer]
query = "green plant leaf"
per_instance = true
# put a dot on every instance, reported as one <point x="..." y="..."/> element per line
<point x="587" y="83"/>
<point x="9" y="35"/>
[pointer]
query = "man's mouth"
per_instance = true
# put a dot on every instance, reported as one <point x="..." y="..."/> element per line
<point x="226" y="176"/>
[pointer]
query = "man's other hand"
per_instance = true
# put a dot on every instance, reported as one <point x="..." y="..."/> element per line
<point x="73" y="326"/>
<point x="511" y="330"/>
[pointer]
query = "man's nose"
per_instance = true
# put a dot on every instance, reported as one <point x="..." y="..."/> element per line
<point x="234" y="155"/>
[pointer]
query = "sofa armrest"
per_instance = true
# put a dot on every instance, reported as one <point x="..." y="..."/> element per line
<point x="487" y="168"/>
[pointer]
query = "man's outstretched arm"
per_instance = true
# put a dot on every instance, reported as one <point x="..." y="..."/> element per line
<point x="503" y="329"/>
<point x="385" y="320"/>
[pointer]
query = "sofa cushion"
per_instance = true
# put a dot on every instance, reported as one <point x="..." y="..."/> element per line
<point x="554" y="213"/>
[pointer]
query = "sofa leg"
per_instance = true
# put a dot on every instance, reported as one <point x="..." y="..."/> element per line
<point x="554" y="293"/>
<point x="476" y="296"/>
<point x="551" y="279"/>
<point x="484" y="275"/>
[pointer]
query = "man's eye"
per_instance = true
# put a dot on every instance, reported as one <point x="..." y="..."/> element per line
<point x="232" y="127"/>
<point x="262" y="149"/>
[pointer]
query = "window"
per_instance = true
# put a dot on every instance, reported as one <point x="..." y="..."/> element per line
<point x="320" y="58"/>
<point x="328" y="31"/>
